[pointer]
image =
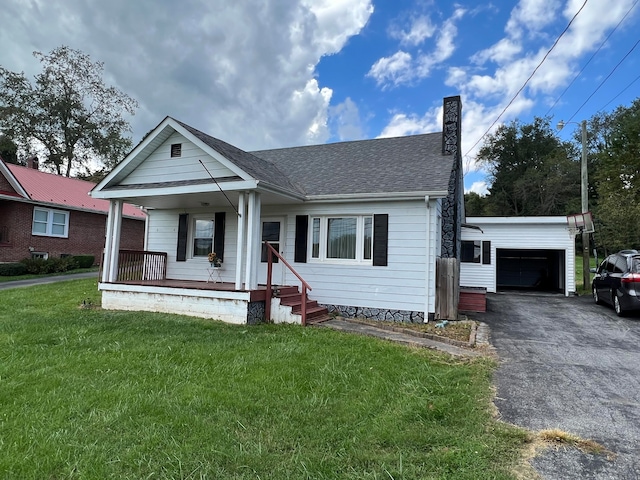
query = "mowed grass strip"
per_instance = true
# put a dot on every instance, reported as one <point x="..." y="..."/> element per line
<point x="87" y="393"/>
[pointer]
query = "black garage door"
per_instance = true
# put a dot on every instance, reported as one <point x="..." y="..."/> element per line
<point x="536" y="270"/>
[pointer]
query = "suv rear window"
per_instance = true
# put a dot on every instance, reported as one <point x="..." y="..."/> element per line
<point x="635" y="265"/>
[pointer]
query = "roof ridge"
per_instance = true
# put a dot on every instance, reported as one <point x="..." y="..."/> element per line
<point x="253" y="164"/>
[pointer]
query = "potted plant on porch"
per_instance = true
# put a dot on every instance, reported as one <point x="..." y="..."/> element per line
<point x="214" y="260"/>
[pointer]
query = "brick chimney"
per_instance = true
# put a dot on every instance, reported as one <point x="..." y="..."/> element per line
<point x="32" y="162"/>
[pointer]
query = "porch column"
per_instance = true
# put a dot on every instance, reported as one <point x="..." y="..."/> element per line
<point x="253" y="241"/>
<point x="108" y="239"/>
<point x="258" y="236"/>
<point x="240" y="249"/>
<point x="115" y="240"/>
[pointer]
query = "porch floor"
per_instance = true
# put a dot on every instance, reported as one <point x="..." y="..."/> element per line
<point x="256" y="295"/>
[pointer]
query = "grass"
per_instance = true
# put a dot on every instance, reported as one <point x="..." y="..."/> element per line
<point x="579" y="283"/>
<point x="87" y="393"/>
<point x="556" y="438"/>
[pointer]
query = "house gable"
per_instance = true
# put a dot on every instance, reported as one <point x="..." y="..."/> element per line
<point x="160" y="166"/>
<point x="9" y="184"/>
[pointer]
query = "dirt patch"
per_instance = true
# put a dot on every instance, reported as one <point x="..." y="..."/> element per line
<point x="457" y="331"/>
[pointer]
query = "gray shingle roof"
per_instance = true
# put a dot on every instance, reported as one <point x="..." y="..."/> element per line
<point x="258" y="168"/>
<point x="384" y="165"/>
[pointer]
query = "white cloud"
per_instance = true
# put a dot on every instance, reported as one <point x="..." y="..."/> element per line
<point x="241" y="71"/>
<point x="532" y="16"/>
<point x="481" y="188"/>
<point x="419" y="29"/>
<point x="402" y="68"/>
<point x="345" y="121"/>
<point x="393" y="70"/>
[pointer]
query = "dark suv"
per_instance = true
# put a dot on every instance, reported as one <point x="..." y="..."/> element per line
<point x="617" y="281"/>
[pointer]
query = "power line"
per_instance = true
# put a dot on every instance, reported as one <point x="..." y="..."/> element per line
<point x="603" y="81"/>
<point x="530" y="77"/>
<point x="591" y="58"/>
<point x="621" y="92"/>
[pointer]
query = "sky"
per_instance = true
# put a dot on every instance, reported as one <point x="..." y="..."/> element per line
<point x="275" y="73"/>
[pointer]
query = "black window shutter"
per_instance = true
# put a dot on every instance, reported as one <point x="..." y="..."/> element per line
<point x="380" y="239"/>
<point x="218" y="234"/>
<point x="300" y="248"/>
<point x="183" y="227"/>
<point x="486" y="253"/>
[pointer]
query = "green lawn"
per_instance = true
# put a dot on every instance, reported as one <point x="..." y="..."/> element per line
<point x="86" y="393"/>
<point x="579" y="283"/>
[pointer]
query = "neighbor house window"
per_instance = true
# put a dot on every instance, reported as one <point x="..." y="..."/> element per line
<point x="202" y="237"/>
<point x="176" y="150"/>
<point x="50" y="223"/>
<point x="346" y="238"/>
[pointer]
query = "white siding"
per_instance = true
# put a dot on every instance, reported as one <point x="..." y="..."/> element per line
<point x="548" y="233"/>
<point x="163" y="237"/>
<point x="399" y="286"/>
<point x="161" y="167"/>
<point x="402" y="285"/>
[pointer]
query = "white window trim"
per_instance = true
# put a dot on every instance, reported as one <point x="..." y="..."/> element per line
<point x="192" y="233"/>
<point x="49" y="229"/>
<point x="324" y="227"/>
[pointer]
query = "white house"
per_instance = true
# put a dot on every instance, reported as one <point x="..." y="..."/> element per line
<point x="511" y="253"/>
<point x="361" y="223"/>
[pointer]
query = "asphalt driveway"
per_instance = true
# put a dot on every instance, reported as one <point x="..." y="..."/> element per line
<point x="570" y="364"/>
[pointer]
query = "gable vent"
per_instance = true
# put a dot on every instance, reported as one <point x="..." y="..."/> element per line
<point x="176" y="149"/>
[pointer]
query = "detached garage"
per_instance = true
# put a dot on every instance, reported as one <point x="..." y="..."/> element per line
<point x="518" y="253"/>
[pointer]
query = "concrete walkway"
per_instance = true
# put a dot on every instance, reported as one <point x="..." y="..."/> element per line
<point x="45" y="280"/>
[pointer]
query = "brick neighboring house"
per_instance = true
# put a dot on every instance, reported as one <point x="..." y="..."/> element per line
<point x="45" y="216"/>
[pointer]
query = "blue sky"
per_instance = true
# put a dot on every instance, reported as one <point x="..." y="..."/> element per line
<point x="272" y="73"/>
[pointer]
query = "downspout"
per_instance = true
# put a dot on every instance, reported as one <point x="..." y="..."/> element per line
<point x="428" y="249"/>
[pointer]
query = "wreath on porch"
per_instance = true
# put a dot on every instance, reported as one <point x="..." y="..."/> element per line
<point x="214" y="259"/>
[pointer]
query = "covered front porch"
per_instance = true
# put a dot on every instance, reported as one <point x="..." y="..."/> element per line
<point x="140" y="284"/>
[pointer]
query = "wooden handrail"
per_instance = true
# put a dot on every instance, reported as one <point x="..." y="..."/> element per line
<point x="303" y="293"/>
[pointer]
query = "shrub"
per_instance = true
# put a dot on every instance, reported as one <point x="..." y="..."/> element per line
<point x="39" y="266"/>
<point x="84" y="261"/>
<point x="12" y="269"/>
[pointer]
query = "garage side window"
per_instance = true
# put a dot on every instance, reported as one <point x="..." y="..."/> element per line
<point x="475" y="251"/>
<point x="471" y="251"/>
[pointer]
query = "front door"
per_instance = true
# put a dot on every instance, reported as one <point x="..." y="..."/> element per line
<point x="273" y="232"/>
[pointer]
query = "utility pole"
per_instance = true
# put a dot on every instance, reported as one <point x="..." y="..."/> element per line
<point x="584" y="186"/>
<point x="584" y="190"/>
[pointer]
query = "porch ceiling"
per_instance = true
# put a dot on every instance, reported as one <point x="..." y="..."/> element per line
<point x="202" y="199"/>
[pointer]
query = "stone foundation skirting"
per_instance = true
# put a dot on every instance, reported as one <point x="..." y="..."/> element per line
<point x="398" y="316"/>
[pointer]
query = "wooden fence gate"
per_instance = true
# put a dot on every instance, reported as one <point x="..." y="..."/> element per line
<point x="447" y="288"/>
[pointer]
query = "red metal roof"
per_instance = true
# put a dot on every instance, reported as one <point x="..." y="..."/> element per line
<point x="65" y="192"/>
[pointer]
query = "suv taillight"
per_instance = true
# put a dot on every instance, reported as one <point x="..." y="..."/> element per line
<point x="631" y="278"/>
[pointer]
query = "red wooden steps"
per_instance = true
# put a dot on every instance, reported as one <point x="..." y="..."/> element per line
<point x="290" y="296"/>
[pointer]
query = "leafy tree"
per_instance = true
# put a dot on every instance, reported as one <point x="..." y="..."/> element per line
<point x="8" y="150"/>
<point x="617" y="177"/>
<point x="474" y="204"/>
<point x="68" y="112"/>
<point x="532" y="171"/>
